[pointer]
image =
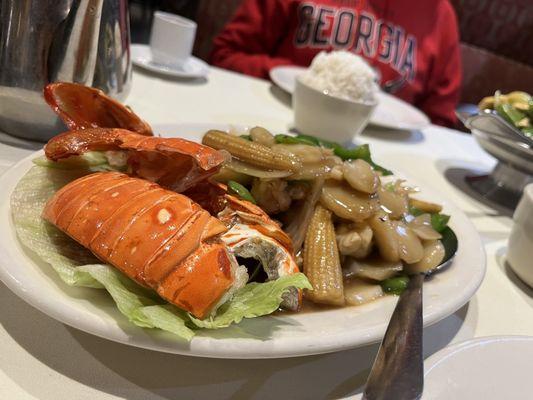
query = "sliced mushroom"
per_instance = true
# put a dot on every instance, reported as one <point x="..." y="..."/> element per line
<point x="312" y="171"/>
<point x="385" y="236"/>
<point x="421" y="225"/>
<point x="394" y="203"/>
<point x="409" y="245"/>
<point x="374" y="268"/>
<point x="348" y="203"/>
<point x="348" y="242"/>
<point x="336" y="173"/>
<point x="361" y="176"/>
<point x="357" y="292"/>
<point x="434" y="253"/>
<point x="354" y="240"/>
<point x="262" y="135"/>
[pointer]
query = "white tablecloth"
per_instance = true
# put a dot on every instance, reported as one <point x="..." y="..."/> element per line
<point x="44" y="359"/>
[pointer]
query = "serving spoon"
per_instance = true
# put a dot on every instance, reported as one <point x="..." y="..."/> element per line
<point x="398" y="370"/>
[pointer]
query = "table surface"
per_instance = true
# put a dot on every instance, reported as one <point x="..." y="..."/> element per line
<point x="41" y="358"/>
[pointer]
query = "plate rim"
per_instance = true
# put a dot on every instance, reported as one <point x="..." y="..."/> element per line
<point x="272" y="73"/>
<point x="443" y="354"/>
<point x="442" y="358"/>
<point x="268" y="348"/>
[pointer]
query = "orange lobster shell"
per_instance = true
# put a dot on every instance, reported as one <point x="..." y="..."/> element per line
<point x="161" y="239"/>
<point x="82" y="107"/>
<point x="174" y="163"/>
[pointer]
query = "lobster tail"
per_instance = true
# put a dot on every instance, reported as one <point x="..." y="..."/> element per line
<point x="159" y="238"/>
<point x="200" y="281"/>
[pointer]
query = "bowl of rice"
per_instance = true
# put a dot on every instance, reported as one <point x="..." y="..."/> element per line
<point x="335" y="97"/>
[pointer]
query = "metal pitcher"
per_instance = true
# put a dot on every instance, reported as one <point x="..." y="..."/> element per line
<point x="83" y="41"/>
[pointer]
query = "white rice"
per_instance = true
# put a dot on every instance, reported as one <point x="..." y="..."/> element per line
<point x="341" y="74"/>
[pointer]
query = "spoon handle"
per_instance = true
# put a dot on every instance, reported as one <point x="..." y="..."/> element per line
<point x="398" y="371"/>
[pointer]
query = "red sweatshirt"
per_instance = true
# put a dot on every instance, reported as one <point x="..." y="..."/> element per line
<point x="412" y="41"/>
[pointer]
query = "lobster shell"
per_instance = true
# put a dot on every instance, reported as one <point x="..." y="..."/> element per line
<point x="82" y="107"/>
<point x="159" y="238"/>
<point x="174" y="163"/>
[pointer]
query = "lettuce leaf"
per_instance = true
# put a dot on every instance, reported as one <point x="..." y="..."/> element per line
<point x="76" y="266"/>
<point x="92" y="161"/>
<point x="253" y="300"/>
<point x="139" y="309"/>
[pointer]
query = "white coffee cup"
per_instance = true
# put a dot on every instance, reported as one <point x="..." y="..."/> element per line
<point x="172" y="39"/>
<point x="520" y="247"/>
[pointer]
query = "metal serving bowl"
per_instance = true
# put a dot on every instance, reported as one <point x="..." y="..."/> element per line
<point x="513" y="151"/>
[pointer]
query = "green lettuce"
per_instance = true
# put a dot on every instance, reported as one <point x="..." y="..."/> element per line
<point x="253" y="300"/>
<point x="91" y="161"/>
<point x="76" y="266"/>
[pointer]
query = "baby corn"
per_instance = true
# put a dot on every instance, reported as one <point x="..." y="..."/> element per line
<point x="321" y="260"/>
<point x="251" y="152"/>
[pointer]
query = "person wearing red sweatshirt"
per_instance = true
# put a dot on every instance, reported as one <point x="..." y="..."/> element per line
<point x="414" y="44"/>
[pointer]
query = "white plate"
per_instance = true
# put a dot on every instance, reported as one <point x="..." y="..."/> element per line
<point x="285" y="77"/>
<point x="193" y="68"/>
<point x="91" y="310"/>
<point x="391" y="112"/>
<point x="491" y="368"/>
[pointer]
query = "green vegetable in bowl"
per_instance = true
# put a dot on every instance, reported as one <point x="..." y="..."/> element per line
<point x="515" y="107"/>
<point x="512" y="115"/>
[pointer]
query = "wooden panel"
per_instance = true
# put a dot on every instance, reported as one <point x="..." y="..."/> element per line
<point x="211" y="17"/>
<point x="503" y="27"/>
<point x="484" y="72"/>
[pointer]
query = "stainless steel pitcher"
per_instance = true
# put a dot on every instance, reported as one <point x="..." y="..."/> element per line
<point x="42" y="41"/>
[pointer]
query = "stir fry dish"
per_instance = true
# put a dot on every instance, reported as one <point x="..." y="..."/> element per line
<point x="187" y="236"/>
<point x="515" y="107"/>
<point x="356" y="230"/>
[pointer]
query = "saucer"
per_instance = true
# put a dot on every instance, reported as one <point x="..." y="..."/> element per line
<point x="489" y="368"/>
<point x="141" y="56"/>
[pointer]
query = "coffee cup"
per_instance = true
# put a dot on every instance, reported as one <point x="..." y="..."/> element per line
<point x="172" y="39"/>
<point x="520" y="247"/>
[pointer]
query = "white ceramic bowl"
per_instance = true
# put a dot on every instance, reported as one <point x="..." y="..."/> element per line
<point x="519" y="250"/>
<point x="331" y="118"/>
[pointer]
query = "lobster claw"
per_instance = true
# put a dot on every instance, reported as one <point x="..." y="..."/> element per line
<point x="174" y="163"/>
<point x="82" y="107"/>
